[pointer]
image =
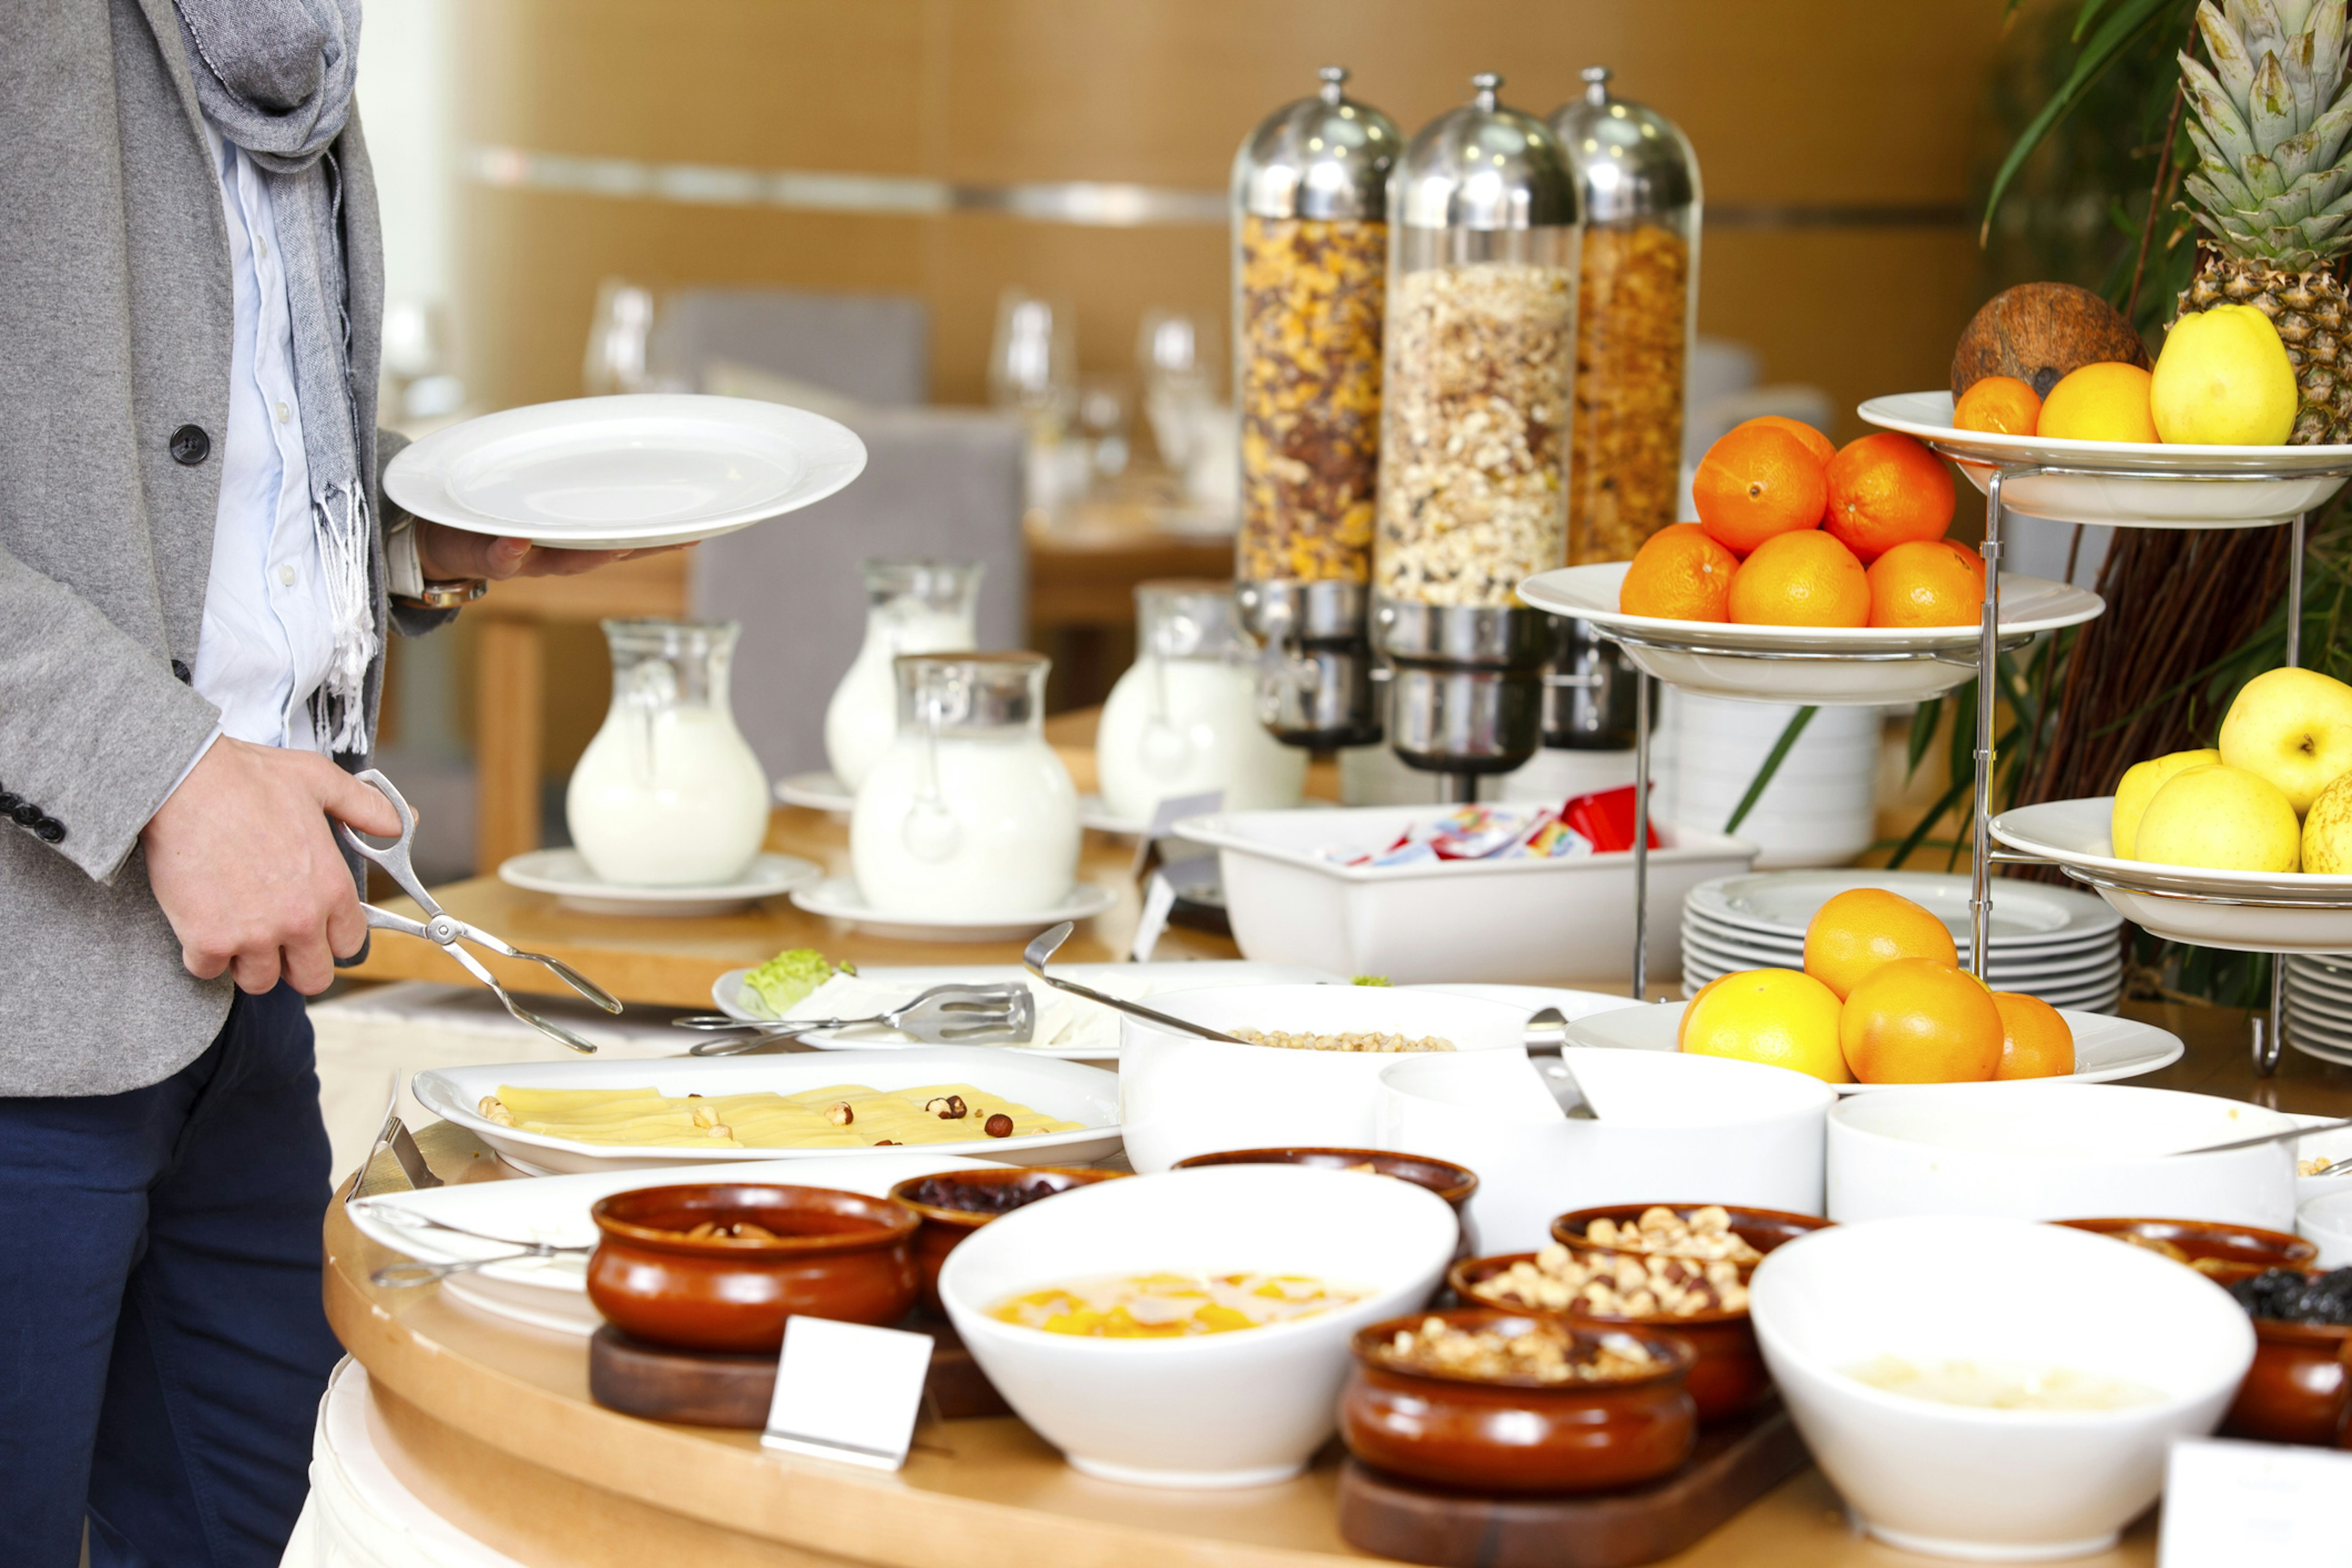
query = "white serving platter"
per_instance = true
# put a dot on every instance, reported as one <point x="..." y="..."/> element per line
<point x="552" y="1292"/>
<point x="2250" y="912"/>
<point x="624" y="473"/>
<point x="1834" y="667"/>
<point x="1068" y="1091"/>
<point x="564" y="874"/>
<point x="1090" y="1034"/>
<point x="2135" y="491"/>
<point x="837" y="898"/>
<point x="2105" y="1049"/>
<point x="821" y="791"/>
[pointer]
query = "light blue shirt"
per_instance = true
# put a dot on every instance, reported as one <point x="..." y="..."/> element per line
<point x="268" y="637"/>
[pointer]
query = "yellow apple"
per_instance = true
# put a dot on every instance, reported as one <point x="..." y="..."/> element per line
<point x="2294" y="727"/>
<point x="2328" y="831"/>
<point x="2222" y="818"/>
<point x="2138" y="787"/>
<point x="2223" y="380"/>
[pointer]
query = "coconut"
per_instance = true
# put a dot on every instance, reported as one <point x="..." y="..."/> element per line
<point x="2038" y="332"/>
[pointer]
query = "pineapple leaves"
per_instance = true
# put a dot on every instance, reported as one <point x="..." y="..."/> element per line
<point x="2233" y="68"/>
<point x="2216" y="113"/>
<point x="2216" y="170"/>
<point x="2270" y="112"/>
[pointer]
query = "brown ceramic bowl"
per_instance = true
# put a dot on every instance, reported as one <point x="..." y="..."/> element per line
<point x="834" y="1255"/>
<point x="1454" y="1183"/>
<point x="1516" y="1435"/>
<point x="944" y="1226"/>
<point x="2343" y="1428"/>
<point x="1728" y="1378"/>
<point x="1762" y="1229"/>
<point x="2224" y="1253"/>
<point x="2299" y="1389"/>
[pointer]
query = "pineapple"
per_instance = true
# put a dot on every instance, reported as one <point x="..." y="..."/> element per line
<point x="2273" y="187"/>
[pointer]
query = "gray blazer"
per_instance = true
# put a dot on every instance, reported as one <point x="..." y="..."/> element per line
<point x="114" y="340"/>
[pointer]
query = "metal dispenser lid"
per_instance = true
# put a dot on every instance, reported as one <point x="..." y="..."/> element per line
<point x="1483" y="166"/>
<point x="1322" y="157"/>
<point x="1630" y="161"/>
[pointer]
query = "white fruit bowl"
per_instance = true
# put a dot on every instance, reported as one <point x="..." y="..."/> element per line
<point x="2048" y="1149"/>
<point x="1994" y="1485"/>
<point x="1239" y="1409"/>
<point x="1180" y="1095"/>
<point x="2141" y="484"/>
<point x="1831" y="666"/>
<point x="1514" y="922"/>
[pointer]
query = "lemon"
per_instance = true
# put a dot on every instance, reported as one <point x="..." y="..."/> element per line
<point x="2105" y="401"/>
<point x="1780" y="1017"/>
<point x="2223" y="380"/>
<point x="2327" y="832"/>
<point x="2139" y="784"/>
<point x="2223" y="817"/>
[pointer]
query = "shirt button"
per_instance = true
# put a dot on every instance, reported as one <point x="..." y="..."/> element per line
<point x="26" y="814"/>
<point x="49" y="830"/>
<point x="260" y="248"/>
<point x="180" y="671"/>
<point x="284" y="413"/>
<point x="190" y="446"/>
<point x="285" y="575"/>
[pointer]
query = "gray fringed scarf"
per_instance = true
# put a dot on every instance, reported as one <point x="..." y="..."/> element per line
<point x="274" y="76"/>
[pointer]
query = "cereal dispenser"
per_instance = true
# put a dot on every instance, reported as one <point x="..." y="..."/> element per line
<point x="1481" y="343"/>
<point x="1311" y="265"/>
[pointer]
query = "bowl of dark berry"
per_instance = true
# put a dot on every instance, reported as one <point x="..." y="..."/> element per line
<point x="954" y="1204"/>
<point x="2298" y="1390"/>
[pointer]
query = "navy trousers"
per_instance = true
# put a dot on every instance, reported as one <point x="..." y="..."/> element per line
<point x="163" y="1348"/>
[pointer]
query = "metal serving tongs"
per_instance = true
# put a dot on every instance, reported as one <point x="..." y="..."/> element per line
<point x="942" y="1015"/>
<point x="447" y="931"/>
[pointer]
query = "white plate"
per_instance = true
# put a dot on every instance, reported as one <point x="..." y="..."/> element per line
<point x="2250" y="912"/>
<point x="822" y="790"/>
<point x="2105" y="1049"/>
<point x="552" y="1292"/>
<point x="2132" y="491"/>
<point x="2324" y="994"/>
<point x="1842" y="666"/>
<point x="1699" y="955"/>
<point x="624" y="473"/>
<point x="1095" y="1040"/>
<point x="1065" y="1091"/>
<point x="2095" y="949"/>
<point x="1095" y="813"/>
<point x="837" y="898"/>
<point x="2025" y="915"/>
<point x="564" y="874"/>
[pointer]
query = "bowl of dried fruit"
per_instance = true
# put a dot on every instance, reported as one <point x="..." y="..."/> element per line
<point x="1499" y="1401"/>
<point x="954" y="1204"/>
<point x="2224" y="1253"/>
<point x="719" y="1267"/>
<point x="2299" y="1389"/>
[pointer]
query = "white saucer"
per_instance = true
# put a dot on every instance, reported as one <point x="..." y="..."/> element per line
<point x="565" y="874"/>
<point x="821" y="791"/>
<point x="624" y="473"/>
<point x="1093" y="813"/>
<point x="837" y="898"/>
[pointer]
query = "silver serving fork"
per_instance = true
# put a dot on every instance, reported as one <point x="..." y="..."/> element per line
<point x="942" y="1015"/>
<point x="447" y="931"/>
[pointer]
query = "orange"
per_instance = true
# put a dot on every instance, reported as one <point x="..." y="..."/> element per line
<point x="1928" y="582"/>
<point x="1756" y="482"/>
<point x="2103" y="402"/>
<point x="1776" y="1016"/>
<point x="1819" y="444"/>
<point x="1863" y="928"/>
<point x="1682" y="1027"/>
<point x="1679" y="574"/>
<point x="1885" y="491"/>
<point x="2001" y="405"/>
<point x="2035" y="1041"/>
<point x="1919" y="1020"/>
<point x="1804" y="579"/>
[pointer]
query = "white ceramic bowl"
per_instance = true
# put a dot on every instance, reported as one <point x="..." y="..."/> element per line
<point x="1180" y="1095"/>
<point x="1671" y="1129"/>
<point x="1994" y="1485"/>
<point x="1239" y="1409"/>
<point x="2055" y="1149"/>
<point x="1516" y="922"/>
<point x="2327" y="1222"/>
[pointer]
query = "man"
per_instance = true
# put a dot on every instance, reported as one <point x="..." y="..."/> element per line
<point x="195" y="570"/>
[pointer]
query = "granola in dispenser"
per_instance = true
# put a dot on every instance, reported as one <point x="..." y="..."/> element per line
<point x="1473" y="495"/>
<point x="1311" y="302"/>
<point x="1625" y="461"/>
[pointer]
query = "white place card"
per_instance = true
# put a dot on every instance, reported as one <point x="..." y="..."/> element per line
<point x="848" y="1392"/>
<point x="1167" y="815"/>
<point x="2228" y="1503"/>
<point x="1159" y="900"/>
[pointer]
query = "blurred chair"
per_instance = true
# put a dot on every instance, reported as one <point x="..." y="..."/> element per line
<point x="941" y="482"/>
<point x="874" y="348"/>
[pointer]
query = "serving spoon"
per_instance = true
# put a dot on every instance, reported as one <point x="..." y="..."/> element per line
<point x="2267" y="1137"/>
<point x="1043" y="947"/>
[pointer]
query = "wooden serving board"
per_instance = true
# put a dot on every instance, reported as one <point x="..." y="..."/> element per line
<point x="717" y="1388"/>
<point x="1734" y="1465"/>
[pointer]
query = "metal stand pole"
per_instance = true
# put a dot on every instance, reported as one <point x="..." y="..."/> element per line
<point x="1988" y="689"/>
<point x="1641" y="836"/>
<point x="2270" y="1043"/>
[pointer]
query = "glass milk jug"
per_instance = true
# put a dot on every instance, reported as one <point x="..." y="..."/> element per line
<point x="912" y="607"/>
<point x="1183" y="720"/>
<point x="969" y="811"/>
<point x="668" y="793"/>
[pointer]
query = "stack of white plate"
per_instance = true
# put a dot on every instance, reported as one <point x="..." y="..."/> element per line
<point x="2319" y="1005"/>
<point x="2063" y="946"/>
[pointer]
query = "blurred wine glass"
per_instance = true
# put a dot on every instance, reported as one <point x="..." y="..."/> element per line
<point x="620" y="333"/>
<point x="1033" y="366"/>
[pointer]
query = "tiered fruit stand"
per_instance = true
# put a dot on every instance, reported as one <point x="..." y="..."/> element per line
<point x="2123" y="485"/>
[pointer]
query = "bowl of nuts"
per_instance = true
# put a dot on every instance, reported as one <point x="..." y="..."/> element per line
<point x="954" y="1204"/>
<point x="1498" y="1400"/>
<point x="1706" y="1231"/>
<point x="719" y="1267"/>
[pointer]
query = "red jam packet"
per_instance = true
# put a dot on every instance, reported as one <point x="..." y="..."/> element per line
<point x="1606" y="817"/>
